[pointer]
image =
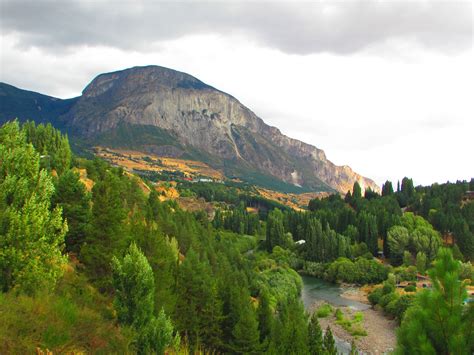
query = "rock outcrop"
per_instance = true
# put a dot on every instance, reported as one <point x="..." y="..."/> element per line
<point x="205" y="122"/>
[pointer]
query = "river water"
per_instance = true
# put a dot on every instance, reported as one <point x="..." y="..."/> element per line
<point x="316" y="290"/>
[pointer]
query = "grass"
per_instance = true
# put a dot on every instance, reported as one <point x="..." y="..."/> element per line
<point x="324" y="311"/>
<point x="352" y="326"/>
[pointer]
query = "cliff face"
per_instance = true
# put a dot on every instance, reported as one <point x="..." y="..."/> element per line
<point x="204" y="121"/>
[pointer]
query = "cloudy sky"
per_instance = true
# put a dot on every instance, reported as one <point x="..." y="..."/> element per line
<point x="383" y="86"/>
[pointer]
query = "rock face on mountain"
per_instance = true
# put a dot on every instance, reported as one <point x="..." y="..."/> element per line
<point x="192" y="119"/>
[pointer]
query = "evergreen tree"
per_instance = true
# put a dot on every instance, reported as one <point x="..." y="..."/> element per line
<point x="275" y="230"/>
<point x="246" y="337"/>
<point x="313" y="238"/>
<point x="356" y="191"/>
<point x="134" y="302"/>
<point x="134" y="288"/>
<point x="329" y="343"/>
<point x="290" y="332"/>
<point x="438" y="322"/>
<point x="31" y="234"/>
<point x="108" y="232"/>
<point x="72" y="197"/>
<point x="421" y="262"/>
<point x="198" y="312"/>
<point x="387" y="188"/>
<point x="265" y="317"/>
<point x="50" y="144"/>
<point x="315" y="336"/>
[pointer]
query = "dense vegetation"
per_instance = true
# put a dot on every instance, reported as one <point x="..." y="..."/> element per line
<point x="104" y="266"/>
<point x="112" y="269"/>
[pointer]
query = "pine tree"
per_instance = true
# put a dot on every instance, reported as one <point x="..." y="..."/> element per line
<point x="31" y="234"/>
<point x="421" y="262"/>
<point x="71" y="195"/>
<point x="134" y="288"/>
<point x="134" y="302"/>
<point x="290" y="332"/>
<point x="438" y="322"/>
<point x="315" y="336"/>
<point x="198" y="311"/>
<point x="329" y="343"/>
<point x="246" y="337"/>
<point x="108" y="232"/>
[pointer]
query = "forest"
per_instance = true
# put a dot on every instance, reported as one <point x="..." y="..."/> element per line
<point x="109" y="267"/>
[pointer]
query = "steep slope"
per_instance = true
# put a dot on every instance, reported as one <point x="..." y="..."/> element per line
<point x="169" y="113"/>
<point x="207" y="120"/>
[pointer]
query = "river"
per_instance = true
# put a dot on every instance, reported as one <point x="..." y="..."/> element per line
<point x="316" y="290"/>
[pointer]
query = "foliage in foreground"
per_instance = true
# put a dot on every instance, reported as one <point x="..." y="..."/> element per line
<point x="31" y="233"/>
<point x="439" y="321"/>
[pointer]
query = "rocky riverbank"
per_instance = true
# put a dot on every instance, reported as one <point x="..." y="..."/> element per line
<point x="381" y="335"/>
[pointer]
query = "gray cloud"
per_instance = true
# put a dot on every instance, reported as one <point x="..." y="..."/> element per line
<point x="296" y="27"/>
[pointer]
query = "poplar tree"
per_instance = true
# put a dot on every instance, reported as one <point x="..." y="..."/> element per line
<point x="275" y="230"/>
<point x="356" y="191"/>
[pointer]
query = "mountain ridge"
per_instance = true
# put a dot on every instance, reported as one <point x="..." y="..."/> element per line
<point x="207" y="123"/>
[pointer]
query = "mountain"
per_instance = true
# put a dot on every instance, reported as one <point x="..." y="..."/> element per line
<point x="170" y="113"/>
<point x="19" y="103"/>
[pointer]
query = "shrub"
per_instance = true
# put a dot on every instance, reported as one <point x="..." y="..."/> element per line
<point x="386" y="299"/>
<point x="410" y="288"/>
<point x="324" y="310"/>
<point x="374" y="296"/>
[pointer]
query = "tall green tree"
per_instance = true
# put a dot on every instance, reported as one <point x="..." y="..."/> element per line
<point x="134" y="302"/>
<point x="439" y="322"/>
<point x="265" y="317"/>
<point x="290" y="332"/>
<point x="315" y="336"/>
<point x="275" y="230"/>
<point x="246" y="336"/>
<point x="356" y="191"/>
<point x="398" y="239"/>
<point x="387" y="188"/>
<point x="198" y="311"/>
<point x="329" y="342"/>
<point x="134" y="286"/>
<point x="72" y="196"/>
<point x="31" y="234"/>
<point x="51" y="144"/>
<point x="108" y="231"/>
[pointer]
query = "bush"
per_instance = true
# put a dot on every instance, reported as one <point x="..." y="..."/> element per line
<point x="324" y="310"/>
<point x="402" y="305"/>
<point x="386" y="299"/>
<point x="374" y="296"/>
<point x="410" y="288"/>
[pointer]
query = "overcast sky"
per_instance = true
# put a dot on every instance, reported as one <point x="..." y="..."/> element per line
<point x="383" y="86"/>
